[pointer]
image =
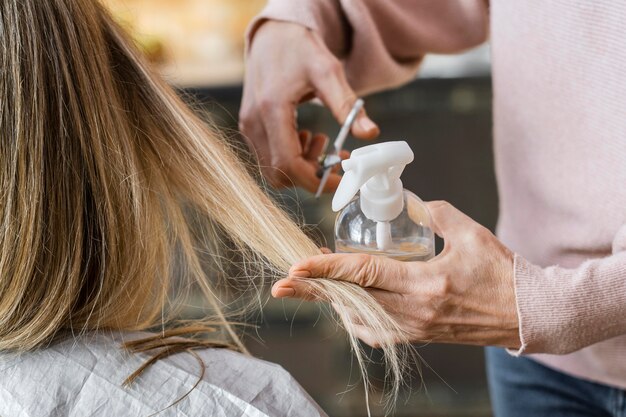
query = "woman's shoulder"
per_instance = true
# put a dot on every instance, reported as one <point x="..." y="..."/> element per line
<point x="83" y="375"/>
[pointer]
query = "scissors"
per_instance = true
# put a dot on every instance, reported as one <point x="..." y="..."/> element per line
<point x="332" y="157"/>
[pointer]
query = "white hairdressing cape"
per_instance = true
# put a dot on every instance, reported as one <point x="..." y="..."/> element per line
<point x="82" y="377"/>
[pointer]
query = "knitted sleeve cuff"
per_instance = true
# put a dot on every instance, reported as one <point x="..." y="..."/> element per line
<point x="563" y="310"/>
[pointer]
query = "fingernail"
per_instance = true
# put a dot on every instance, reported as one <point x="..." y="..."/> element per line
<point x="300" y="273"/>
<point x="284" y="292"/>
<point x="367" y="124"/>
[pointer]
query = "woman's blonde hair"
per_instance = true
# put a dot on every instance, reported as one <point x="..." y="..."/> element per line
<point x="111" y="186"/>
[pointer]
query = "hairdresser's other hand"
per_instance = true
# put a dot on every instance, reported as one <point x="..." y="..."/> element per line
<point x="286" y="65"/>
<point x="464" y="295"/>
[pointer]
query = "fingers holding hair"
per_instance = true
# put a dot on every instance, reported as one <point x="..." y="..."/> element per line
<point x="367" y="271"/>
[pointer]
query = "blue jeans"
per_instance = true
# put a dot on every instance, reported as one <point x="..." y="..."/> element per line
<point x="521" y="387"/>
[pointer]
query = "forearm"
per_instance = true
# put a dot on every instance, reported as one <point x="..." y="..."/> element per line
<point x="382" y="43"/>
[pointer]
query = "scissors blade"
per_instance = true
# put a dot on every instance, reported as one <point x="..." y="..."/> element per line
<point x="323" y="182"/>
<point x="338" y="145"/>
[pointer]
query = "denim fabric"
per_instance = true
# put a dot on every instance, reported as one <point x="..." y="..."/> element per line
<point x="521" y="387"/>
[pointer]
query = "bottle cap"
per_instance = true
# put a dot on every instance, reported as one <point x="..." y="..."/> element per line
<point x="375" y="170"/>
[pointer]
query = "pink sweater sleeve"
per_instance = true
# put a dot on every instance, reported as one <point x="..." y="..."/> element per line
<point x="564" y="310"/>
<point x="383" y="42"/>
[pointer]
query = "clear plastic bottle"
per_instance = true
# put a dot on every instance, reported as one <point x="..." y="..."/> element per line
<point x="412" y="238"/>
<point x="384" y="219"/>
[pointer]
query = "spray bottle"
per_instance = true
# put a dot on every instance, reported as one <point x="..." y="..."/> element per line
<point x="384" y="219"/>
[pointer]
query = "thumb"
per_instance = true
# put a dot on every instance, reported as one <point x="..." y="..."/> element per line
<point x="333" y="89"/>
<point x="364" y="270"/>
<point x="448" y="221"/>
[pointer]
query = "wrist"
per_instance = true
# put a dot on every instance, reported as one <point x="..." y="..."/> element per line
<point x="325" y="18"/>
<point x="512" y="317"/>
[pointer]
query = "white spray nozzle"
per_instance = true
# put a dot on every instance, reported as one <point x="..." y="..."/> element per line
<point x="375" y="170"/>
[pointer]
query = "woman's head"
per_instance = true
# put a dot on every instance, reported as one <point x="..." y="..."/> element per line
<point x="111" y="186"/>
<point x="102" y="169"/>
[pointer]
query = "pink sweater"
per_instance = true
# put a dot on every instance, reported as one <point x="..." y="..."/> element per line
<point x="559" y="76"/>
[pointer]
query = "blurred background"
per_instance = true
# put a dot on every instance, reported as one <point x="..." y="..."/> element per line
<point x="445" y="114"/>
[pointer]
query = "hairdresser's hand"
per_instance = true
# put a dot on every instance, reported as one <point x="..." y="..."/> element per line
<point x="464" y="295"/>
<point x="288" y="64"/>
